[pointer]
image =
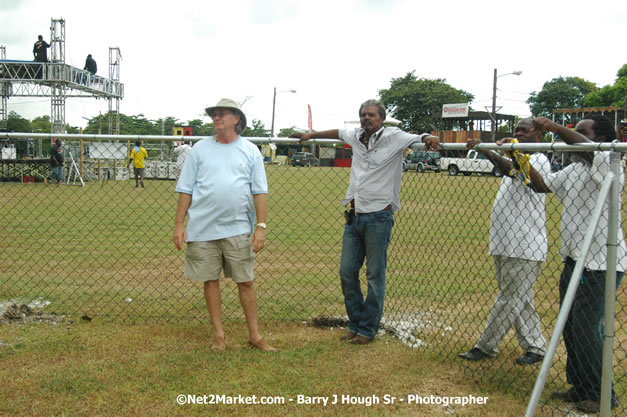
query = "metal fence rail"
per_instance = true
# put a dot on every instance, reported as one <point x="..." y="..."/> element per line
<point x="105" y="250"/>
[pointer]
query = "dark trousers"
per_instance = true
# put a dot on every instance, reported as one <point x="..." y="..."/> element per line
<point x="583" y="332"/>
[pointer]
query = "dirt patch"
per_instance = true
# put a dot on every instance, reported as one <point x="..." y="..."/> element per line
<point x="21" y="314"/>
<point x="405" y="327"/>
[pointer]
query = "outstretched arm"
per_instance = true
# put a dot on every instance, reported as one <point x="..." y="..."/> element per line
<point x="325" y="134"/>
<point x="432" y="143"/>
<point x="504" y="164"/>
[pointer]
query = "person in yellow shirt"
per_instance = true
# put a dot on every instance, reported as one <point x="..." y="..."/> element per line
<point x="138" y="154"/>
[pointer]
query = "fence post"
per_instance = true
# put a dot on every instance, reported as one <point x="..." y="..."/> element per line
<point x="610" y="288"/>
<point x="80" y="158"/>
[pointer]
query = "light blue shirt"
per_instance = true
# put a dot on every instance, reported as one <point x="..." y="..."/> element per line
<point x="222" y="179"/>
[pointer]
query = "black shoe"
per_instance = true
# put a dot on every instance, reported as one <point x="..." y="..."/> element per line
<point x="566" y="396"/>
<point x="529" y="358"/>
<point x="474" y="354"/>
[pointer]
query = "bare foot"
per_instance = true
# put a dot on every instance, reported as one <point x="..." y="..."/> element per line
<point x="262" y="345"/>
<point x="219" y="344"/>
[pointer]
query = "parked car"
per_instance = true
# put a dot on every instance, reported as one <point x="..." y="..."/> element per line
<point x="474" y="162"/>
<point x="421" y="161"/>
<point x="304" y="159"/>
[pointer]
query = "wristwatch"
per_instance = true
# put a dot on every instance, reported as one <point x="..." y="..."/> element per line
<point x="262" y="225"/>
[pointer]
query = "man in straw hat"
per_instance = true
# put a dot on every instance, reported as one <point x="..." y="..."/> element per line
<point x="220" y="173"/>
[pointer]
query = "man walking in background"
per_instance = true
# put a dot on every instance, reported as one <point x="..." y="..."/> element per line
<point x="56" y="163"/>
<point x="181" y="152"/>
<point x="221" y="189"/>
<point x="138" y="155"/>
<point x="372" y="197"/>
<point x="518" y="243"/>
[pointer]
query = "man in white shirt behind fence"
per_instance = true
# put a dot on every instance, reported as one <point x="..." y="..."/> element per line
<point x="371" y="199"/>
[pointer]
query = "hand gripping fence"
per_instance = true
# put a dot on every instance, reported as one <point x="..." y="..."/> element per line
<point x="520" y="162"/>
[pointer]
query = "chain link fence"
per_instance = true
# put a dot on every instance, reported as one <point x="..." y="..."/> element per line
<point x="104" y="250"/>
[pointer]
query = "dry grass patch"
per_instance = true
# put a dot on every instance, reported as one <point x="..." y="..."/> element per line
<point x="102" y="369"/>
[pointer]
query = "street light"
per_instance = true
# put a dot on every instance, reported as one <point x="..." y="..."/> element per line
<point x="274" y="106"/>
<point x="494" y="100"/>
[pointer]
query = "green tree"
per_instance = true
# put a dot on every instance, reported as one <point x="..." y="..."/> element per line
<point x="412" y="101"/>
<point x="16" y="123"/>
<point x="72" y="129"/>
<point x="560" y="93"/>
<point x="129" y="125"/>
<point x="165" y="125"/>
<point x="139" y="125"/>
<point x="41" y="124"/>
<point x="287" y="131"/>
<point x="201" y="129"/>
<point x="97" y="124"/>
<point x="256" y="130"/>
<point x="610" y="95"/>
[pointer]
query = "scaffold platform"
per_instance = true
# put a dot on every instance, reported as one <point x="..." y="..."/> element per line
<point x="59" y="81"/>
<point x="34" y="79"/>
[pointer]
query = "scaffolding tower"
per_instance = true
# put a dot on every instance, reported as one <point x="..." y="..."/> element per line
<point x="57" y="80"/>
<point x="4" y="93"/>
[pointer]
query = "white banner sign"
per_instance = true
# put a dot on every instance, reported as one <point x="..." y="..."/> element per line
<point x="107" y="150"/>
<point x="455" y="110"/>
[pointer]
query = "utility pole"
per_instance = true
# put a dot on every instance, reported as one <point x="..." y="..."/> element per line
<point x="493" y="114"/>
<point x="273" y="107"/>
<point x="494" y="108"/>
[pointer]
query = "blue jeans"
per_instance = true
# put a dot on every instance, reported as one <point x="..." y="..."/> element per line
<point x="583" y="332"/>
<point x="56" y="173"/>
<point x="367" y="237"/>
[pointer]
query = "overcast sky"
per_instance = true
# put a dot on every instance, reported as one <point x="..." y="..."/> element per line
<point x="179" y="57"/>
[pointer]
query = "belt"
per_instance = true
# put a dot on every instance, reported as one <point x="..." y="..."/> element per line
<point x="352" y="210"/>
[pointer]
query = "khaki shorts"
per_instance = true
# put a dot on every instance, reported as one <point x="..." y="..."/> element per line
<point x="205" y="260"/>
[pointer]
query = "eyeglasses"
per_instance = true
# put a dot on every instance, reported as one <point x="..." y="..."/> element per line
<point x="219" y="113"/>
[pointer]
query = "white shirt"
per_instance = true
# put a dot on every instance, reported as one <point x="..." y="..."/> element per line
<point x="577" y="186"/>
<point x="182" y="151"/>
<point x="375" y="178"/>
<point x="518" y="219"/>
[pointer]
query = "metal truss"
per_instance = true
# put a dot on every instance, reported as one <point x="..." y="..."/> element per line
<point x="59" y="81"/>
<point x="4" y="94"/>
<point x="115" y="56"/>
<point x="35" y="79"/>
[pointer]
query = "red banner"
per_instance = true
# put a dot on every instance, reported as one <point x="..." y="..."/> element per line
<point x="309" y="123"/>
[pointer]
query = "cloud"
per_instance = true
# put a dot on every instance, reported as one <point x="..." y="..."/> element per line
<point x="180" y="56"/>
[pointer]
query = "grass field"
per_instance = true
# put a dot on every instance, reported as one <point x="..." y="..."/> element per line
<point x="105" y="251"/>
